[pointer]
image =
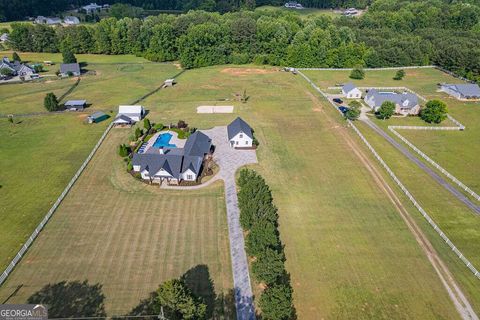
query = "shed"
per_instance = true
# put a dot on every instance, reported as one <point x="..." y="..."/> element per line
<point x="97" y="117"/>
<point x="75" y="105"/>
<point x="169" y="83"/>
<point x="67" y="68"/>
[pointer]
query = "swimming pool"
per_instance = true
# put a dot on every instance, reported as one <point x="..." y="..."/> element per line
<point x="163" y="141"/>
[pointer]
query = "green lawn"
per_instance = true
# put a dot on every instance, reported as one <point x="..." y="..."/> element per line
<point x="456" y="151"/>
<point x="129" y="237"/>
<point x="348" y="251"/>
<point x="302" y="13"/>
<point x="39" y="157"/>
<point x="113" y="84"/>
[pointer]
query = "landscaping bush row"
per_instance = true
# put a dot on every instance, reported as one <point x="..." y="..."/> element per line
<point x="259" y="219"/>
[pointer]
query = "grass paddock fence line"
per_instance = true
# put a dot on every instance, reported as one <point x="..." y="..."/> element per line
<point x="52" y="210"/>
<point x="402" y="187"/>
<point x="70" y="90"/>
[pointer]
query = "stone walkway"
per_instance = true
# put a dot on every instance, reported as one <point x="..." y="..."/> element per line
<point x="229" y="161"/>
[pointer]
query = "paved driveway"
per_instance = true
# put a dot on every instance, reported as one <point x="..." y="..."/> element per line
<point x="229" y="161"/>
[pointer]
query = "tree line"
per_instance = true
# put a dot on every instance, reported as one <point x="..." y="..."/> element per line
<point x="259" y="219"/>
<point x="390" y="33"/>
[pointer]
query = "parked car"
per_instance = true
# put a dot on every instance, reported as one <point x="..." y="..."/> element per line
<point x="343" y="109"/>
<point x="338" y="100"/>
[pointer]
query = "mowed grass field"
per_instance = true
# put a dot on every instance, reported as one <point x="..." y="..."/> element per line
<point x="456" y="151"/>
<point x="118" y="80"/>
<point x="302" y="13"/>
<point x="349" y="253"/>
<point x="129" y="237"/>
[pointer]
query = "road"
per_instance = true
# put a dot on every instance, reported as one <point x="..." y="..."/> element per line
<point x="460" y="196"/>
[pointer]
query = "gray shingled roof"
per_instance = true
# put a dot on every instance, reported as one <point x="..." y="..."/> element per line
<point x="397" y="98"/>
<point x="239" y="125"/>
<point x="347" y="87"/>
<point x="466" y="90"/>
<point x="153" y="162"/>
<point x="69" y="67"/>
<point x="97" y="115"/>
<point x="124" y="118"/>
<point x="198" y="144"/>
<point x="75" y="103"/>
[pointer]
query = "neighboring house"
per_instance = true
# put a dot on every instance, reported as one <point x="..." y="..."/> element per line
<point x="350" y="12"/>
<point x="67" y="68"/>
<point x="293" y="5"/>
<point x="4" y="38"/>
<point x="240" y="134"/>
<point x="97" y="117"/>
<point x="48" y="20"/>
<point x="75" y="105"/>
<point x="174" y="164"/>
<point x="462" y="91"/>
<point x="92" y="7"/>
<point x="17" y="68"/>
<point x="71" y="20"/>
<point x="129" y="115"/>
<point x="405" y="103"/>
<point x="349" y="91"/>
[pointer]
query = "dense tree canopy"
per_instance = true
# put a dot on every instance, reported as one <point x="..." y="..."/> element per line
<point x="390" y="33"/>
<point x="435" y="111"/>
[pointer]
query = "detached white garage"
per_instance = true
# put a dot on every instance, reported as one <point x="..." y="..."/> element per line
<point x="240" y="134"/>
<point x="349" y="91"/>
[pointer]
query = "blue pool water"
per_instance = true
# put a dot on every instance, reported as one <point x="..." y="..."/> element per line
<point x="163" y="141"/>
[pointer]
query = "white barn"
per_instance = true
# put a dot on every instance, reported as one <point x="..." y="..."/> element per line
<point x="349" y="91"/>
<point x="129" y="114"/>
<point x="240" y="134"/>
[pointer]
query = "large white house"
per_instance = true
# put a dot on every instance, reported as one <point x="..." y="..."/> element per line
<point x="173" y="164"/>
<point x="349" y="91"/>
<point x="462" y="91"/>
<point x="405" y="103"/>
<point x="129" y="114"/>
<point x="240" y="134"/>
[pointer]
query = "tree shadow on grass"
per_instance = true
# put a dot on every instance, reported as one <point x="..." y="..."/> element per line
<point x="199" y="282"/>
<point x="71" y="299"/>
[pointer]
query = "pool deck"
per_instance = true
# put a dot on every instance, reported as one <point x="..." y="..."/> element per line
<point x="179" y="143"/>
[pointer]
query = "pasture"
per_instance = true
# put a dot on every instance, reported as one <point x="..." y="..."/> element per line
<point x="302" y="13"/>
<point x="348" y="251"/>
<point x="456" y="151"/>
<point x="129" y="237"/>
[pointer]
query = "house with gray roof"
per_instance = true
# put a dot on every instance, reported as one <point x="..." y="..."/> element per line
<point x="462" y="91"/>
<point x="75" y="105"/>
<point x="240" y="134"/>
<point x="173" y="164"/>
<point x="405" y="103"/>
<point x="350" y="91"/>
<point x="17" y="68"/>
<point x="69" y="68"/>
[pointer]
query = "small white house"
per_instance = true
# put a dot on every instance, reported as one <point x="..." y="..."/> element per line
<point x="349" y="91"/>
<point x="240" y="134"/>
<point x="129" y="114"/>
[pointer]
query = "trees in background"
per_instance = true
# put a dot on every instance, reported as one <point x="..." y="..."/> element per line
<point x="50" y="102"/>
<point x="435" y="111"/>
<point x="386" y="110"/>
<point x="68" y="56"/>
<point x="357" y="73"/>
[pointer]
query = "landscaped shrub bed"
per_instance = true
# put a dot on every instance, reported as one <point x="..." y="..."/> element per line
<point x="259" y="219"/>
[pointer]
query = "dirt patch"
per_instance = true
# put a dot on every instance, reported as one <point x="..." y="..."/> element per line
<point x="82" y="116"/>
<point x="210" y="87"/>
<point x="317" y="109"/>
<point x="246" y="71"/>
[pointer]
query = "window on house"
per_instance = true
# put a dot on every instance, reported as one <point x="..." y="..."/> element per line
<point x="189" y="177"/>
<point x="236" y="142"/>
<point x="241" y="135"/>
<point x="246" y="142"/>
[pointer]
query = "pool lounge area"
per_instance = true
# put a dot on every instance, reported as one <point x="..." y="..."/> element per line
<point x="163" y="139"/>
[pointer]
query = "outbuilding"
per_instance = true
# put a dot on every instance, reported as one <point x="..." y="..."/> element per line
<point x="97" y="117"/>
<point x="75" y="105"/>
<point x="240" y="134"/>
<point x="462" y="91"/>
<point x="350" y="91"/>
<point x="169" y="83"/>
<point x="67" y="69"/>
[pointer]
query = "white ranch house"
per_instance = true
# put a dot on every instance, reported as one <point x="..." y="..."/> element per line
<point x="350" y="91"/>
<point x="240" y="134"/>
